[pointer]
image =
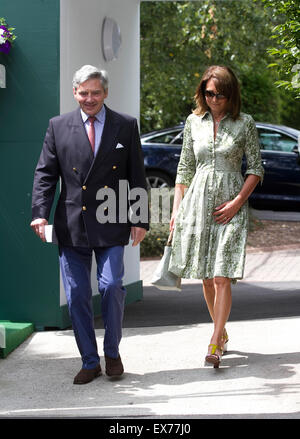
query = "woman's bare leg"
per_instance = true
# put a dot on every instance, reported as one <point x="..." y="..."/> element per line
<point x="209" y="295"/>
<point x="222" y="307"/>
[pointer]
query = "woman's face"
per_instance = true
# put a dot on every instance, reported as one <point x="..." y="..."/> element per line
<point x="215" y="101"/>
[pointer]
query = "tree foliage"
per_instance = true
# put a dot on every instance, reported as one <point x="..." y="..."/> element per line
<point x="287" y="36"/>
<point x="179" y="40"/>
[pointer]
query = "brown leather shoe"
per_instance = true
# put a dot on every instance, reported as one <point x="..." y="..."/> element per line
<point x="87" y="375"/>
<point x="114" y="366"/>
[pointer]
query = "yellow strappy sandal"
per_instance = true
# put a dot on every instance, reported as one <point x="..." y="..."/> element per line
<point x="214" y="358"/>
<point x="224" y="342"/>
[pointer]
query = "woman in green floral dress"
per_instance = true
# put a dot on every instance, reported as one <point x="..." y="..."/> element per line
<point x="210" y="210"/>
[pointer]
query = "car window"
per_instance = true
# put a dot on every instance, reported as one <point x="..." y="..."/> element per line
<point x="276" y="141"/>
<point x="178" y="139"/>
<point x="167" y="137"/>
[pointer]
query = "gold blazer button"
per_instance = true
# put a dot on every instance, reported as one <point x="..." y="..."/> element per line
<point x="84" y="188"/>
<point x="83" y="208"/>
<point x="114" y="167"/>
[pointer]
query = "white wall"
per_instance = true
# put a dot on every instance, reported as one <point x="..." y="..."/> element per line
<point x="80" y="43"/>
<point x="81" y="24"/>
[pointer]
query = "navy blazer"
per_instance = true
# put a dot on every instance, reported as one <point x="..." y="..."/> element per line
<point x="67" y="155"/>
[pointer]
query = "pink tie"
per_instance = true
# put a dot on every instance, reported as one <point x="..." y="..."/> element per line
<point x="91" y="132"/>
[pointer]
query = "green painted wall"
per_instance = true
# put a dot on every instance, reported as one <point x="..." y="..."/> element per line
<point x="29" y="269"/>
<point x="29" y="288"/>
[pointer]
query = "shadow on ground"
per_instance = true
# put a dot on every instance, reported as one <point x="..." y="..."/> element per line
<point x="263" y="300"/>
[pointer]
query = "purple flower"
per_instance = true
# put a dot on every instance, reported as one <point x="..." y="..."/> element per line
<point x="6" y="32"/>
<point x="5" y="47"/>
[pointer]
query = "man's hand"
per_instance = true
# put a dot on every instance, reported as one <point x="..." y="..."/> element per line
<point x="137" y="235"/>
<point x="38" y="226"/>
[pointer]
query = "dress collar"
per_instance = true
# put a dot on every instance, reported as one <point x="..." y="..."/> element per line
<point x="208" y="114"/>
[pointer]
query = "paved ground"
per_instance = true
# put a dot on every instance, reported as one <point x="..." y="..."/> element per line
<point x="164" y="343"/>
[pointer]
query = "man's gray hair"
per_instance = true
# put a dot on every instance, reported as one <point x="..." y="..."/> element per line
<point x="90" y="72"/>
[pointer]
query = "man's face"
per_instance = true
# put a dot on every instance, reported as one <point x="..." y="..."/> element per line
<point x="90" y="96"/>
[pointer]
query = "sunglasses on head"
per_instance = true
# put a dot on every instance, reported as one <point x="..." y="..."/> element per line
<point x="211" y="94"/>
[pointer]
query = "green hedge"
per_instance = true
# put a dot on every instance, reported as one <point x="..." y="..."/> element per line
<point x="155" y="240"/>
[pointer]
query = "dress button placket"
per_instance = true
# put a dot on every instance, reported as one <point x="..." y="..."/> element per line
<point x="210" y="206"/>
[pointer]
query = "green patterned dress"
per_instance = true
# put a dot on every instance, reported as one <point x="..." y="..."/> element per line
<point x="211" y="169"/>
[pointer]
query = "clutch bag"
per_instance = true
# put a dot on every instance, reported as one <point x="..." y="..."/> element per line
<point x="163" y="278"/>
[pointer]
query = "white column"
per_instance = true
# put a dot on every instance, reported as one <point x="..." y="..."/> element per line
<point x="80" y="43"/>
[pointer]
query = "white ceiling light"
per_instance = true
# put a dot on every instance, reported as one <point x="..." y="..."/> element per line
<point x="111" y="39"/>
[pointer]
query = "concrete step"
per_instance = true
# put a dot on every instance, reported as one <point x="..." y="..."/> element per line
<point x="12" y="334"/>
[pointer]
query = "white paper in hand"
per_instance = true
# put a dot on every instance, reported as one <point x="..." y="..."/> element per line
<point x="50" y="234"/>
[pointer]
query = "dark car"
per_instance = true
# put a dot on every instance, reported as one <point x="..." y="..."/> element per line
<point x="280" y="147"/>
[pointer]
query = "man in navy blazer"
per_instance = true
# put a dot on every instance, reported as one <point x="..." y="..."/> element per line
<point x="90" y="150"/>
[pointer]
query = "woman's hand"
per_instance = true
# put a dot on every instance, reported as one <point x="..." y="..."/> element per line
<point x="226" y="211"/>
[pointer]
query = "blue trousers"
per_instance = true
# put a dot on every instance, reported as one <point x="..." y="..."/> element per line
<point x="75" y="264"/>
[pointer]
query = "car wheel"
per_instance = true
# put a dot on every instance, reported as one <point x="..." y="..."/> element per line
<point x="156" y="179"/>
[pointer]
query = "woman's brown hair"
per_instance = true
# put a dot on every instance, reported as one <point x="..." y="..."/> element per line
<point x="226" y="83"/>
